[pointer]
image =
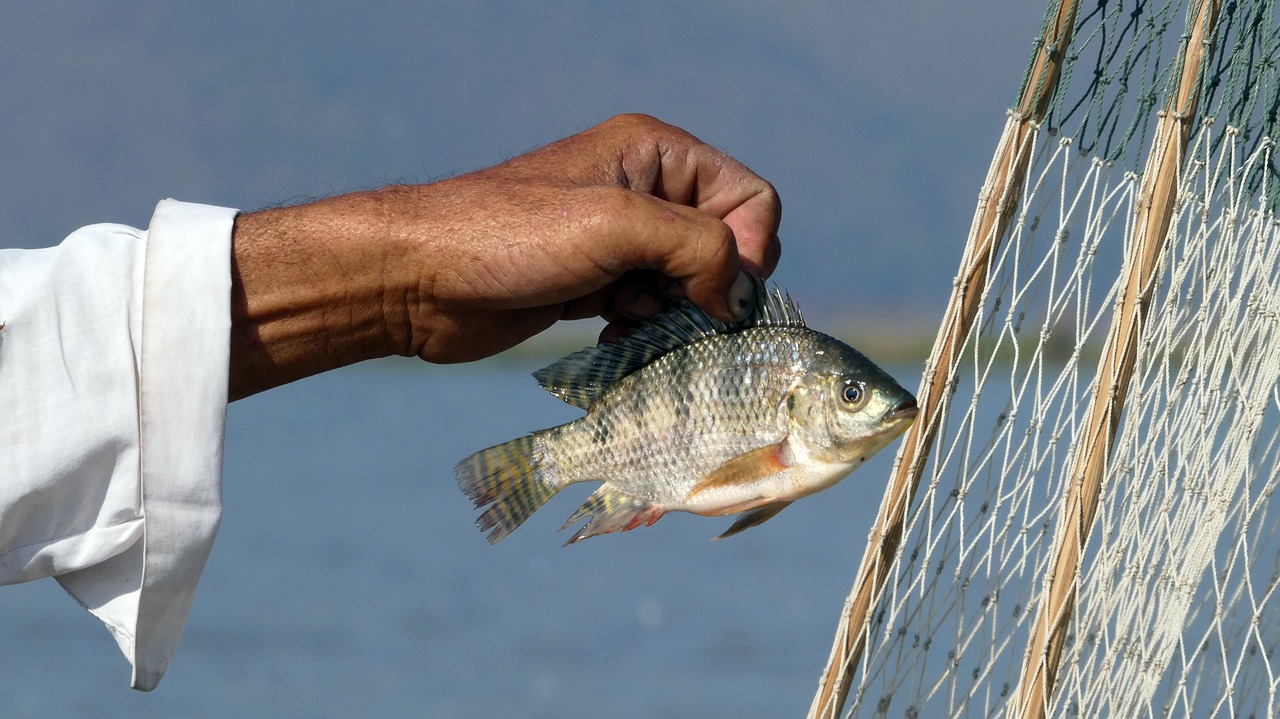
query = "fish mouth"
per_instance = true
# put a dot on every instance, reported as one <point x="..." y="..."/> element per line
<point x="905" y="411"/>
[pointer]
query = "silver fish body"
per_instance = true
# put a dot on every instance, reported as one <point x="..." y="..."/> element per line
<point x="690" y="414"/>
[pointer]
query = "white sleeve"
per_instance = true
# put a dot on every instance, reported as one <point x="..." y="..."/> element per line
<point x="113" y="390"/>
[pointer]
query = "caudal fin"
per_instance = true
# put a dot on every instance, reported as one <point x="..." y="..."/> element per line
<point x="506" y="478"/>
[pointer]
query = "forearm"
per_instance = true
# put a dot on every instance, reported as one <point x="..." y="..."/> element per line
<point x="314" y="287"/>
<point x="467" y="267"/>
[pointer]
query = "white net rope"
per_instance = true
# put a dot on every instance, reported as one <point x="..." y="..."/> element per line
<point x="1175" y="610"/>
<point x="1188" y="488"/>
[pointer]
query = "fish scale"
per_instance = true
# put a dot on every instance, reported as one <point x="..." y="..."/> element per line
<point x="681" y="430"/>
<point x="693" y="414"/>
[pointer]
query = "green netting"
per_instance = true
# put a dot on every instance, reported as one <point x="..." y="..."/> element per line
<point x="1120" y="68"/>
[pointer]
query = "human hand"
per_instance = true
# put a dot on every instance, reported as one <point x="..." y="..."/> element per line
<point x="568" y="231"/>
<point x="599" y="223"/>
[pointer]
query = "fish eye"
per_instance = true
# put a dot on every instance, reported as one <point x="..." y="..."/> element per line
<point x="854" y="394"/>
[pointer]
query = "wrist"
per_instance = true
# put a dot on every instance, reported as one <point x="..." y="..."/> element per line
<point x="313" y="289"/>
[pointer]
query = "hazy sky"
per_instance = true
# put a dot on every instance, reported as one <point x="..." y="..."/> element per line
<point x="875" y="120"/>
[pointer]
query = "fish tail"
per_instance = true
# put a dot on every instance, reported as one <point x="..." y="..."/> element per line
<point x="509" y="480"/>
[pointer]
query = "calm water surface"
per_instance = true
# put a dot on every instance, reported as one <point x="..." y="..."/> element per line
<point x="348" y="579"/>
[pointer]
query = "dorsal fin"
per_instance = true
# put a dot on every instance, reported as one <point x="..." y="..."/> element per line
<point x="584" y="375"/>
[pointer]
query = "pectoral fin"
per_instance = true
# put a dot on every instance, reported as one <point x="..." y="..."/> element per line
<point x="746" y="520"/>
<point x="745" y="469"/>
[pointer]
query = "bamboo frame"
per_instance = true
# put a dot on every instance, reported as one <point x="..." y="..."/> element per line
<point x="996" y="208"/>
<point x="1157" y="200"/>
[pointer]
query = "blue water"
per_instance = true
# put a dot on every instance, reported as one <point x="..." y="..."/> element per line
<point x="348" y="579"/>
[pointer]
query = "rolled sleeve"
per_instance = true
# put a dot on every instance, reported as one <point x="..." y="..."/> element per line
<point x="113" y="383"/>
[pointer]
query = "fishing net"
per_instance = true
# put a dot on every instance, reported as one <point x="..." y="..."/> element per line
<point x="1081" y="523"/>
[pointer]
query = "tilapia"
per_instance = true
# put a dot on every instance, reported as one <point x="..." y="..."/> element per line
<point x="691" y="414"/>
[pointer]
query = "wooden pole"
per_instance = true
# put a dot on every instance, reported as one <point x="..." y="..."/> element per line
<point x="1157" y="200"/>
<point x="997" y="204"/>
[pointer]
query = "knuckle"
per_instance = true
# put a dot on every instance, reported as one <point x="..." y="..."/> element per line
<point x="634" y="121"/>
<point x="720" y="234"/>
<point x="726" y="250"/>
<point x="770" y="196"/>
<point x="649" y="130"/>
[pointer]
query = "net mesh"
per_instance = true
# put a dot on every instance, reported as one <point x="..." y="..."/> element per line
<point x="1171" y="608"/>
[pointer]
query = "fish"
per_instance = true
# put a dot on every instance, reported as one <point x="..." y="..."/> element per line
<point x="689" y="413"/>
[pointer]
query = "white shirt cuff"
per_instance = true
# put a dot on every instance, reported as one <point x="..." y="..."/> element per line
<point x="144" y="594"/>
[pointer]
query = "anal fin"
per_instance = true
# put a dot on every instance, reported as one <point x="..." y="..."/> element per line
<point x="610" y="510"/>
<point x="760" y="515"/>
